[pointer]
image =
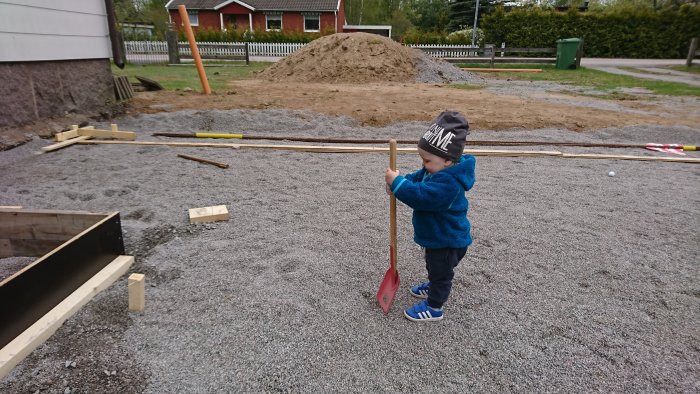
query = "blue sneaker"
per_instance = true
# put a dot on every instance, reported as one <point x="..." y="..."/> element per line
<point x="423" y="312"/>
<point x="421" y="290"/>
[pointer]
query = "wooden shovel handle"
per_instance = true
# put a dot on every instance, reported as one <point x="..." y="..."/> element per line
<point x="392" y="206"/>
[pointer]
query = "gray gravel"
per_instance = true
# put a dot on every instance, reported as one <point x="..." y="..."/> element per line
<point x="576" y="282"/>
<point x="432" y="70"/>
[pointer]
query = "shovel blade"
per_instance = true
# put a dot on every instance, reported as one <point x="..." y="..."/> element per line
<point x="387" y="289"/>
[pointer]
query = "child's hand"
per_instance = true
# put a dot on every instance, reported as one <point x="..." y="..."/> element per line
<point x="390" y="175"/>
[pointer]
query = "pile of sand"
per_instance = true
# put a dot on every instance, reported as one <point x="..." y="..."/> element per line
<point x="348" y="57"/>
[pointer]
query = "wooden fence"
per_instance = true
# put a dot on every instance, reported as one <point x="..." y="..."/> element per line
<point x="142" y="52"/>
<point x="149" y="52"/>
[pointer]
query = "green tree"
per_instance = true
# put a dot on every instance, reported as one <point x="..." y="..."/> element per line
<point x="125" y="11"/>
<point x="430" y="15"/>
<point x="461" y="15"/>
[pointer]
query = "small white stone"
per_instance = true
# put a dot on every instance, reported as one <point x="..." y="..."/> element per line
<point x="611" y="173"/>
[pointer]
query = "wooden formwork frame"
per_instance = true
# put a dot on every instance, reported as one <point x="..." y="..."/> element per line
<point x="80" y="254"/>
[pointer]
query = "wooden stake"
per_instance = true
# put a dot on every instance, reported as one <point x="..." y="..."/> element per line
<point x="137" y="291"/>
<point x="215" y="163"/>
<point x="193" y="46"/>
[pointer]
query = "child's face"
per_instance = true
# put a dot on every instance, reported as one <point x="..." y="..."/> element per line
<point x="433" y="163"/>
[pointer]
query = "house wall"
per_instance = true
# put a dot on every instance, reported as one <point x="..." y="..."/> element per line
<point x="38" y="30"/>
<point x="54" y="58"/>
<point x="341" y="17"/>
<point x="291" y="21"/>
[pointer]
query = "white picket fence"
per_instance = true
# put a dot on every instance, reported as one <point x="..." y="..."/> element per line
<point x="143" y="52"/>
<point x="446" y="51"/>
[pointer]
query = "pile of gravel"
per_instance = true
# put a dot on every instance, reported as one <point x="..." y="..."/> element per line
<point x="576" y="281"/>
<point x="432" y="70"/>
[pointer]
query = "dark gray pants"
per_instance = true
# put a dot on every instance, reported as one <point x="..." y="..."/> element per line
<point x="440" y="264"/>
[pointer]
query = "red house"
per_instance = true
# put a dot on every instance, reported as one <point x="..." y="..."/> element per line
<point x="262" y="15"/>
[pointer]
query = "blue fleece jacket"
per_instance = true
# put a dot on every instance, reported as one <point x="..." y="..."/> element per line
<point x="439" y="204"/>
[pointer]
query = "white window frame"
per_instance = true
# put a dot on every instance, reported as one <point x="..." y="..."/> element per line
<point x="318" y="18"/>
<point x="275" y="17"/>
<point x="194" y="17"/>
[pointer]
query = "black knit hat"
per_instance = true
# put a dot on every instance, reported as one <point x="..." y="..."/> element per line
<point x="446" y="136"/>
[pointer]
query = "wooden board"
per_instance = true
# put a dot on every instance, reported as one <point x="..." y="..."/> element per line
<point x="209" y="214"/>
<point x="355" y="149"/>
<point x="45" y="225"/>
<point x="124" y="135"/>
<point x="66" y="135"/>
<point x="51" y="148"/>
<point x="44" y="283"/>
<point x="522" y="70"/>
<point x="628" y="157"/>
<point x="25" y="247"/>
<point x="325" y="149"/>
<point x="137" y="292"/>
<point x="20" y="347"/>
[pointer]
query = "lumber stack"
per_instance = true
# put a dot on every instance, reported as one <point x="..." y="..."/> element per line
<point x="77" y="134"/>
<point x="122" y="88"/>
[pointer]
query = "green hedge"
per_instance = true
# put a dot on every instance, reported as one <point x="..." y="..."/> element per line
<point x="641" y="33"/>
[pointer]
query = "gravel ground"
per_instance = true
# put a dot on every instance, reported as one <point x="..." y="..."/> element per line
<point x="577" y="281"/>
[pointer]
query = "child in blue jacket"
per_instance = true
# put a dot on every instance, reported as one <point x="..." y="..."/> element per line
<point x="436" y="193"/>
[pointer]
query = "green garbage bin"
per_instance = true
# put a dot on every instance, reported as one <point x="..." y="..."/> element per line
<point x="566" y="53"/>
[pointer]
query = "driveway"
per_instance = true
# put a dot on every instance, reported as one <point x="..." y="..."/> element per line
<point x="648" y="69"/>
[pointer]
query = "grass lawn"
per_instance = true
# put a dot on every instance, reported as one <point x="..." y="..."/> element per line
<point x="588" y="77"/>
<point x="182" y="76"/>
<point x="694" y="68"/>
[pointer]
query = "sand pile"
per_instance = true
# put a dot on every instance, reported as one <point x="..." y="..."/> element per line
<point x="357" y="58"/>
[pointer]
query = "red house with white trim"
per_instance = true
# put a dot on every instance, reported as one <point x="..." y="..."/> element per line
<point x="310" y="16"/>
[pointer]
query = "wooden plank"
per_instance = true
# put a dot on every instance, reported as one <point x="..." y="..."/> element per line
<point x="45" y="225"/>
<point x="20" y="347"/>
<point x="10" y="207"/>
<point x="522" y="70"/>
<point x="44" y="283"/>
<point x="123" y="135"/>
<point x="209" y="214"/>
<point x="637" y="158"/>
<point x="348" y="149"/>
<point x="63" y="144"/>
<point x="25" y="247"/>
<point x="118" y="89"/>
<point x="137" y="292"/>
<point x="66" y="135"/>
<point x="323" y="149"/>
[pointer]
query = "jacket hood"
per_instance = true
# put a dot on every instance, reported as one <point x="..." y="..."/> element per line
<point x="463" y="171"/>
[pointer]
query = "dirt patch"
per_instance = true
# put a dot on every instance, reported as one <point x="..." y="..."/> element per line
<point x="378" y="104"/>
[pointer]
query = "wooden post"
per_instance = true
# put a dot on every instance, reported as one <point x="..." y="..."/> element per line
<point x="247" y="57"/>
<point x="579" y="53"/>
<point x="173" y="50"/>
<point x="193" y="46"/>
<point x="137" y="291"/>
<point x="691" y="52"/>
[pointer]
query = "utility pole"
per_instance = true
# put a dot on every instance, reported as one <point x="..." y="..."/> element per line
<point x="476" y="17"/>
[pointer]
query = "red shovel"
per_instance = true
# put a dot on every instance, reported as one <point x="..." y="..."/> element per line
<point x="390" y="283"/>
